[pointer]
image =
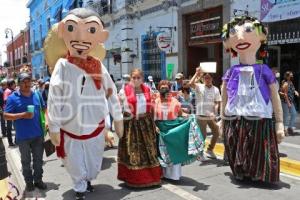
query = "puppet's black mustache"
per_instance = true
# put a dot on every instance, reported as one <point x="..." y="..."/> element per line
<point x="76" y="41"/>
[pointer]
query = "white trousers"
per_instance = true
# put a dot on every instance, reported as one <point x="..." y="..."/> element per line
<point x="83" y="160"/>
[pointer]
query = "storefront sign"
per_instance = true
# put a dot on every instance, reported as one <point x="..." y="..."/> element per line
<point x="278" y="10"/>
<point x="164" y="41"/>
<point x="205" y="28"/>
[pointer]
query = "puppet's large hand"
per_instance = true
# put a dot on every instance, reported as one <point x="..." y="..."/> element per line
<point x="279" y="131"/>
<point x="119" y="128"/>
<point x="55" y="138"/>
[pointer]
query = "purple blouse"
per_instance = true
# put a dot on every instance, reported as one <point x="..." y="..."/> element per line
<point x="231" y="77"/>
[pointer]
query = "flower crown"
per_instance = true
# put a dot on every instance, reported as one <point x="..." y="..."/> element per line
<point x="240" y="20"/>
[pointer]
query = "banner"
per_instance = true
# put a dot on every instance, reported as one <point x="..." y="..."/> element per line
<point x="279" y="10"/>
<point x="170" y="68"/>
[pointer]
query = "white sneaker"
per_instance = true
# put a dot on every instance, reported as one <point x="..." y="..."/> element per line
<point x="211" y="154"/>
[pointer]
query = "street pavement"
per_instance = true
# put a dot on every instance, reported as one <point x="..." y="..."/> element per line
<point x="208" y="181"/>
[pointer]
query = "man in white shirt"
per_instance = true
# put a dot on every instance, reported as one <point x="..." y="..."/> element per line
<point x="208" y="100"/>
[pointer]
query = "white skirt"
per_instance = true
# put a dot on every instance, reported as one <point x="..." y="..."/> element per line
<point x="173" y="172"/>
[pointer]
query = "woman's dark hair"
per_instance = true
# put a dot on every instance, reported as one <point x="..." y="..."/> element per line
<point x="260" y="29"/>
<point x="164" y="82"/>
<point x="287" y="74"/>
<point x="10" y="83"/>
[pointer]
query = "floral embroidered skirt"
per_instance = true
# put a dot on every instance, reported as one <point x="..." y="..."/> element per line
<point x="252" y="150"/>
<point x="138" y="164"/>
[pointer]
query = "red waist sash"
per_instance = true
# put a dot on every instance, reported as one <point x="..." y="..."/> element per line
<point x="60" y="150"/>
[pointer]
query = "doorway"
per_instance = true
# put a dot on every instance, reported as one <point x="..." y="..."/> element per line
<point x="206" y="53"/>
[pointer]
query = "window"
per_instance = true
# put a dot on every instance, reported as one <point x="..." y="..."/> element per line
<point x="48" y="23"/>
<point x="26" y="48"/>
<point x="74" y="5"/>
<point x="58" y="16"/>
<point x="41" y="34"/>
<point x="22" y="52"/>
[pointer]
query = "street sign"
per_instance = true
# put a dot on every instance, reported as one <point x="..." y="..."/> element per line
<point x="164" y="41"/>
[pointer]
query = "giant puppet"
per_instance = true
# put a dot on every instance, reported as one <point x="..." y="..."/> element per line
<point x="81" y="95"/>
<point x="249" y="99"/>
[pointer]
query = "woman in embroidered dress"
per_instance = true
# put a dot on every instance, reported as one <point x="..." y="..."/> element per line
<point x="138" y="164"/>
<point x="249" y="96"/>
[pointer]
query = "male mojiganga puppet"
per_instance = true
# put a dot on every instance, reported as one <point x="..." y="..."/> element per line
<point x="81" y="95"/>
<point x="249" y="98"/>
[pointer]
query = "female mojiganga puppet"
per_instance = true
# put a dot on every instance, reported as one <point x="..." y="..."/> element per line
<point x="81" y="95"/>
<point x="249" y="98"/>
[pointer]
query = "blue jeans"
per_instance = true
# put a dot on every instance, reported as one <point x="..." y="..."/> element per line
<point x="289" y="122"/>
<point x="35" y="147"/>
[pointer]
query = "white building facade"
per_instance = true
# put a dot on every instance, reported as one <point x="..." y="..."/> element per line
<point x="194" y="27"/>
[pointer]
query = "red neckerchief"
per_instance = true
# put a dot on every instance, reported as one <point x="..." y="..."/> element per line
<point x="131" y="97"/>
<point x="90" y="65"/>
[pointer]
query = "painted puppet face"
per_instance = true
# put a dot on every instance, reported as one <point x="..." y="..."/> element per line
<point x="244" y="39"/>
<point x="81" y="36"/>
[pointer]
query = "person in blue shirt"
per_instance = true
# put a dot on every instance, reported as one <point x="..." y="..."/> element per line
<point x="29" y="133"/>
<point x="177" y="85"/>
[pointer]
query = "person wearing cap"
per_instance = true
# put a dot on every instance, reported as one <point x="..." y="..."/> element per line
<point x="3" y="123"/>
<point x="11" y="86"/>
<point x="177" y="85"/>
<point x="151" y="83"/>
<point x="23" y="107"/>
<point x="208" y="99"/>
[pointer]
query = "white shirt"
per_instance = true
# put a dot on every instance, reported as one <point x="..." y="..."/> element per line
<point x="78" y="108"/>
<point x="249" y="100"/>
<point x="141" y="104"/>
<point x="206" y="98"/>
<point x="165" y="110"/>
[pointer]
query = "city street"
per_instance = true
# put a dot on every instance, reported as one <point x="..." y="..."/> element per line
<point x="208" y="181"/>
<point x="162" y="75"/>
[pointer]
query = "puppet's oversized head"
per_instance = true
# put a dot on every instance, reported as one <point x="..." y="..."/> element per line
<point x="244" y="35"/>
<point x="80" y="33"/>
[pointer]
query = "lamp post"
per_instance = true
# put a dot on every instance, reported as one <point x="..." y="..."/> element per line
<point x="7" y="31"/>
